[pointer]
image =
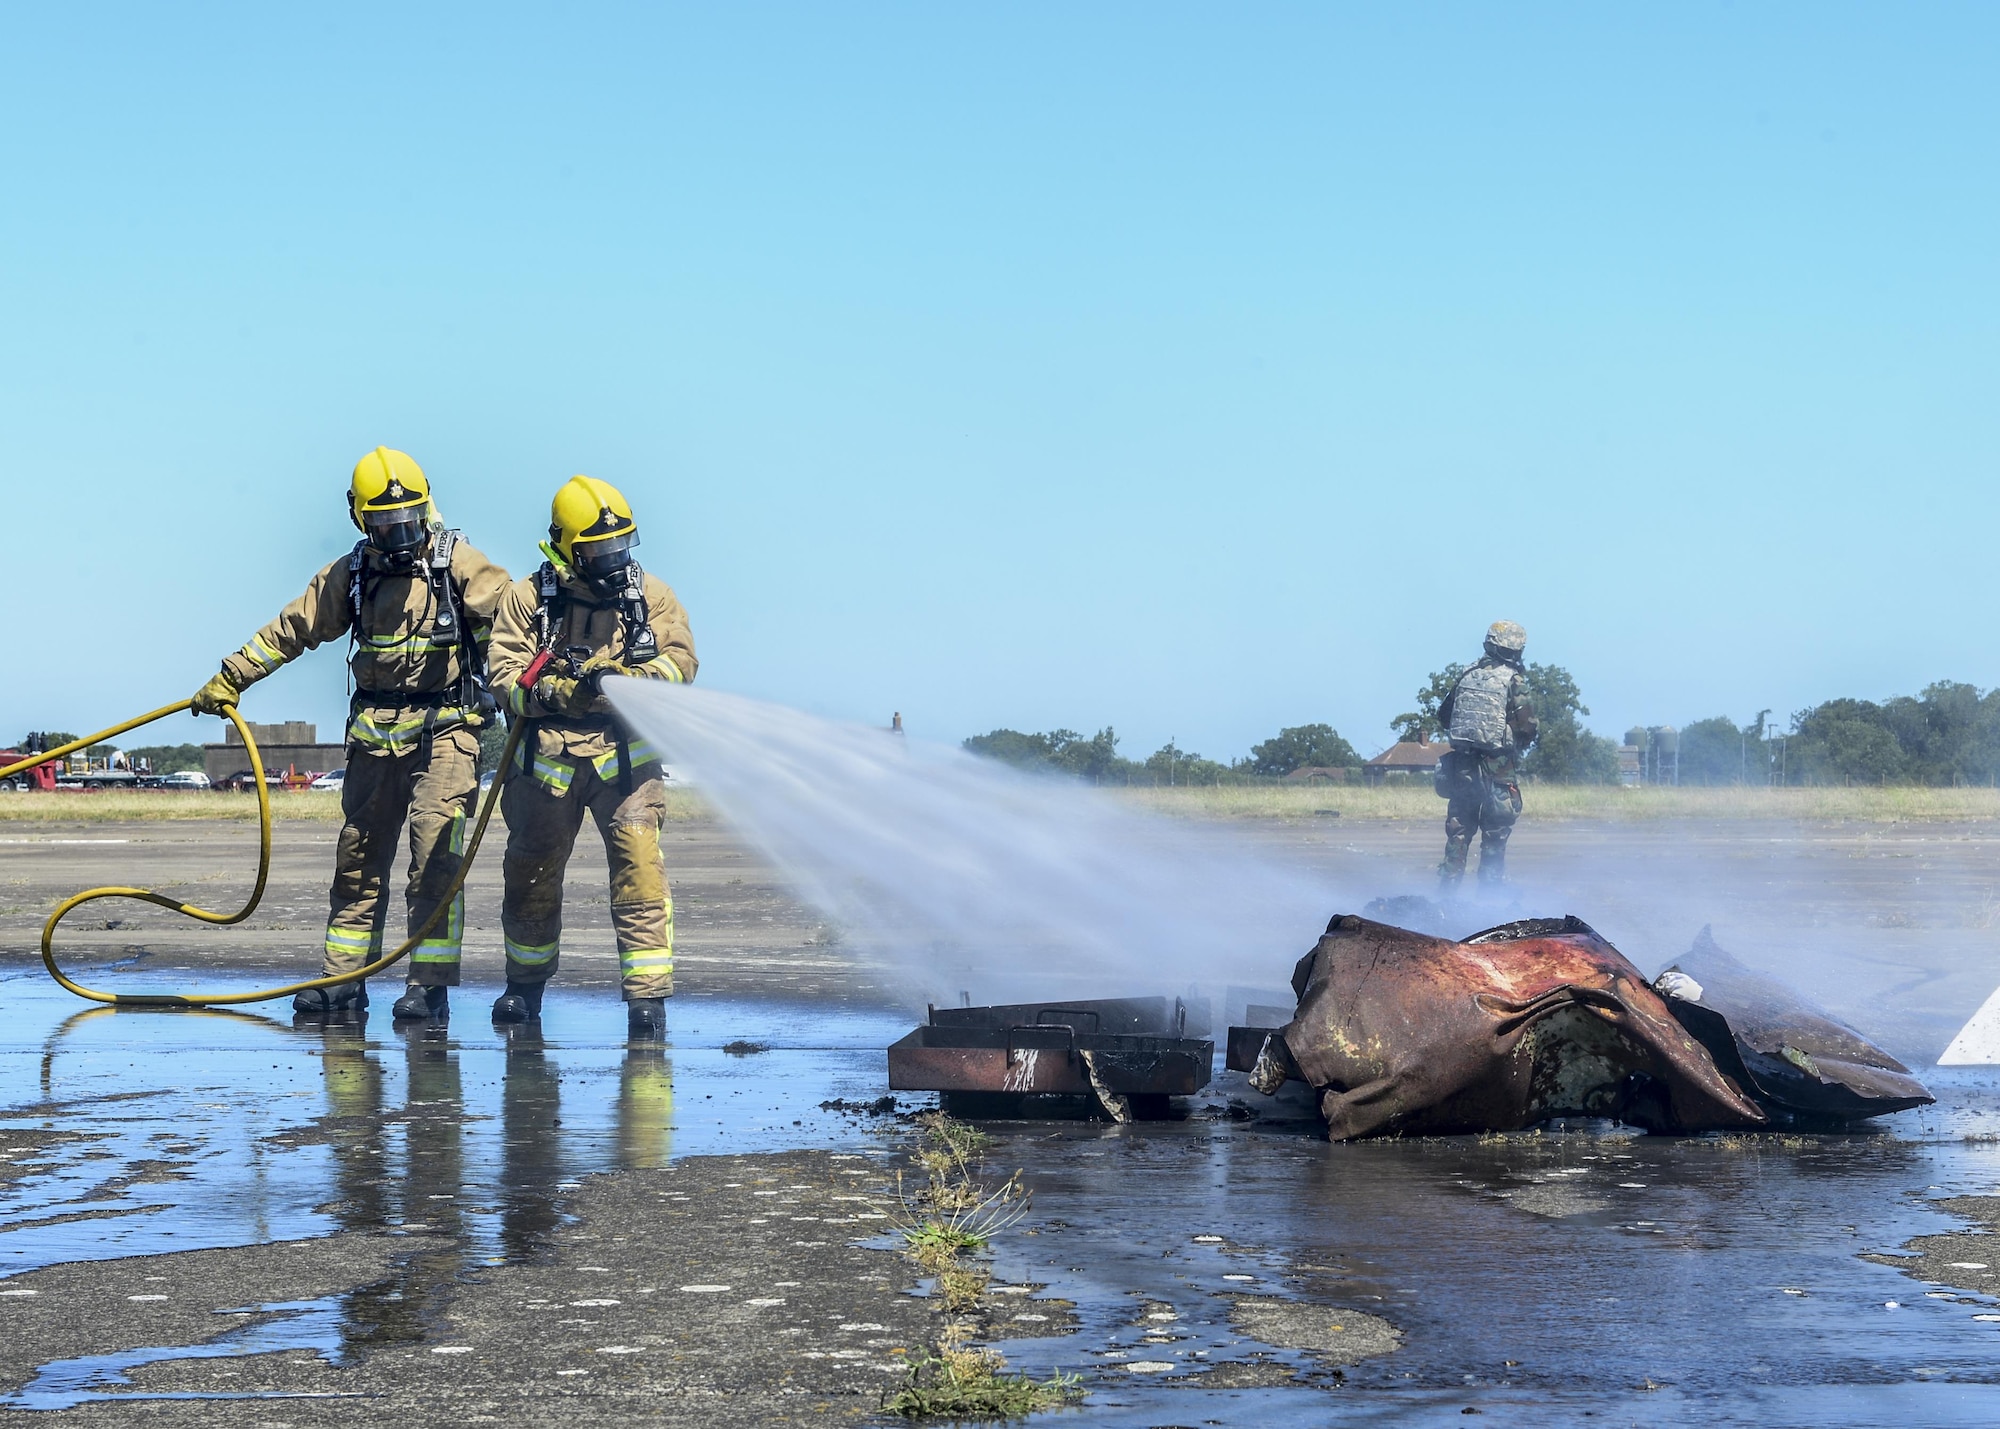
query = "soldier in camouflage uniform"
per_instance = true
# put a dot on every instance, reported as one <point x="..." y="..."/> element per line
<point x="1491" y="724"/>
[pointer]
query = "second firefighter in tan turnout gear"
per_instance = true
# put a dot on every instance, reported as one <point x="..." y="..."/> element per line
<point x="590" y="611"/>
<point x="417" y="601"/>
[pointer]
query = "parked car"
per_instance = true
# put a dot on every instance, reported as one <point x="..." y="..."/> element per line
<point x="244" y="781"/>
<point x="334" y="780"/>
<point x="185" y="779"/>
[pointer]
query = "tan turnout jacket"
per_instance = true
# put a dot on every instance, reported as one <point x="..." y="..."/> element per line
<point x="394" y="655"/>
<point x="562" y="741"/>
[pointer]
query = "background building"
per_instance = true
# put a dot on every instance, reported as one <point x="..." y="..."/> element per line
<point x="293" y="745"/>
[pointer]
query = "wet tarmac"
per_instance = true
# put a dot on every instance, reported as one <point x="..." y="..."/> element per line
<point x="223" y="1217"/>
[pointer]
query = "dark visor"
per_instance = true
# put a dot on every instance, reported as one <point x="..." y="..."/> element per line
<point x="398" y="530"/>
<point x="613" y="553"/>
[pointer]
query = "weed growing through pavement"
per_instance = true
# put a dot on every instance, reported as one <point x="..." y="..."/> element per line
<point x="951" y="1216"/>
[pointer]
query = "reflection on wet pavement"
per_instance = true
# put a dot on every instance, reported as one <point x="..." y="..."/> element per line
<point x="1196" y="1271"/>
<point x="156" y="1132"/>
<point x="169" y="1131"/>
<point x="1714" y="1276"/>
<point x="282" y="1325"/>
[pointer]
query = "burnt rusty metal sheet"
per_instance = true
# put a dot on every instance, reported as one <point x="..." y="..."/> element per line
<point x="1125" y="1016"/>
<point x="1399" y="1031"/>
<point x="1803" y="1066"/>
<point x="1122" y="1046"/>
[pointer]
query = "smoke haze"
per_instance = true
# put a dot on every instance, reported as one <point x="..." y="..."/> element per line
<point x="967" y="875"/>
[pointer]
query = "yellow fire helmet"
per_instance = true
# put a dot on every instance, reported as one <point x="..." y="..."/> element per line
<point x="589" y="520"/>
<point x="384" y="481"/>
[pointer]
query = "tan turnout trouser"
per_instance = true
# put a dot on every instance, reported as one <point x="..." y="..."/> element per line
<point x="543" y="818"/>
<point x="436" y="793"/>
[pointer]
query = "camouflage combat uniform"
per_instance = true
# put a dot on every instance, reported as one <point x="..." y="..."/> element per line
<point x="1491" y="724"/>
<point x="570" y="765"/>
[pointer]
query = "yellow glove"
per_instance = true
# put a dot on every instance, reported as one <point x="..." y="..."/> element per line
<point x="219" y="691"/>
<point x="559" y="694"/>
<point x="601" y="665"/>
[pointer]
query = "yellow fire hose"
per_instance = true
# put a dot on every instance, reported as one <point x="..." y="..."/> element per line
<point x="147" y="895"/>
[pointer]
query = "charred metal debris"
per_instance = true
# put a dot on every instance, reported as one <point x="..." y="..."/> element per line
<point x="1398" y="1031"/>
<point x="1121" y="1058"/>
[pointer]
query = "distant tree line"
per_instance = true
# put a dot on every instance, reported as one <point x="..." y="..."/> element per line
<point x="1097" y="760"/>
<point x="1947" y="734"/>
<point x="168" y="758"/>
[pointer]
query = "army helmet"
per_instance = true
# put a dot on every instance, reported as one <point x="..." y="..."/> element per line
<point x="1507" y="637"/>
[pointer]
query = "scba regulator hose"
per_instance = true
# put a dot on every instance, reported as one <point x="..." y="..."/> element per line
<point x="223" y="920"/>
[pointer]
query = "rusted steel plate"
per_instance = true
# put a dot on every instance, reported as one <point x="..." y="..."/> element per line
<point x="1243" y="1047"/>
<point x="1122" y="1016"/>
<point x="1046" y="1060"/>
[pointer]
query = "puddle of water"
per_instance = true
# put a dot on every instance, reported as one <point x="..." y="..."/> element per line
<point x="189" y="1131"/>
<point x="286" y="1325"/>
<point x="1563" y="1272"/>
<point x="1569" y="1270"/>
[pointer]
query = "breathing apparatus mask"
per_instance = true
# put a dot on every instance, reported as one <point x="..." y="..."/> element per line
<point x="397" y="536"/>
<point x="605" y="564"/>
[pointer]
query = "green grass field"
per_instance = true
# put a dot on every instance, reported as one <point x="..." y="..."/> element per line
<point x="1416" y="802"/>
<point x="1407" y="803"/>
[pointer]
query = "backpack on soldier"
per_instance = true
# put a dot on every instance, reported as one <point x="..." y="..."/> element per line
<point x="1479" y="708"/>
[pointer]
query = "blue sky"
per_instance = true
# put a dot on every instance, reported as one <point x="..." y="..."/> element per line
<point x="1192" y="369"/>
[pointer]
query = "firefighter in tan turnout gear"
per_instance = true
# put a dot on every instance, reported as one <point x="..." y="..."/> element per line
<point x="1491" y="723"/>
<point x="590" y="611"/>
<point x="416" y="601"/>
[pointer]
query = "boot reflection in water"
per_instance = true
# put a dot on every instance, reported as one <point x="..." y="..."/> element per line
<point x="646" y="1108"/>
<point x="531" y="1161"/>
<point x="353" y="1081"/>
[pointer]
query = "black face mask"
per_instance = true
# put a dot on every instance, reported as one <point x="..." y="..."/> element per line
<point x="397" y="537"/>
<point x="603" y="564"/>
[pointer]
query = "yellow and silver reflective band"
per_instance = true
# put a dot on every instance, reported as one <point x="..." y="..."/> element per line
<point x="261" y="655"/>
<point x="517" y="700"/>
<point x="646" y="962"/>
<point x="394" y="737"/>
<point x="529" y="954"/>
<point x="444" y="948"/>
<point x="403" y="735"/>
<point x="553" y="775"/>
<point x="668" y="670"/>
<point x="411" y="644"/>
<point x="358" y="944"/>
<point x="641" y="752"/>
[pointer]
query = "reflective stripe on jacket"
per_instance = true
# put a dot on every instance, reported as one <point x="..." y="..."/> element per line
<point x="393" y="649"/>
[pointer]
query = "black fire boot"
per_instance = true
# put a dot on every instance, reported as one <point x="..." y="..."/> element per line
<point x="325" y="1001"/>
<point x="422" y="1004"/>
<point x="521" y="1002"/>
<point x="646" y="1019"/>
